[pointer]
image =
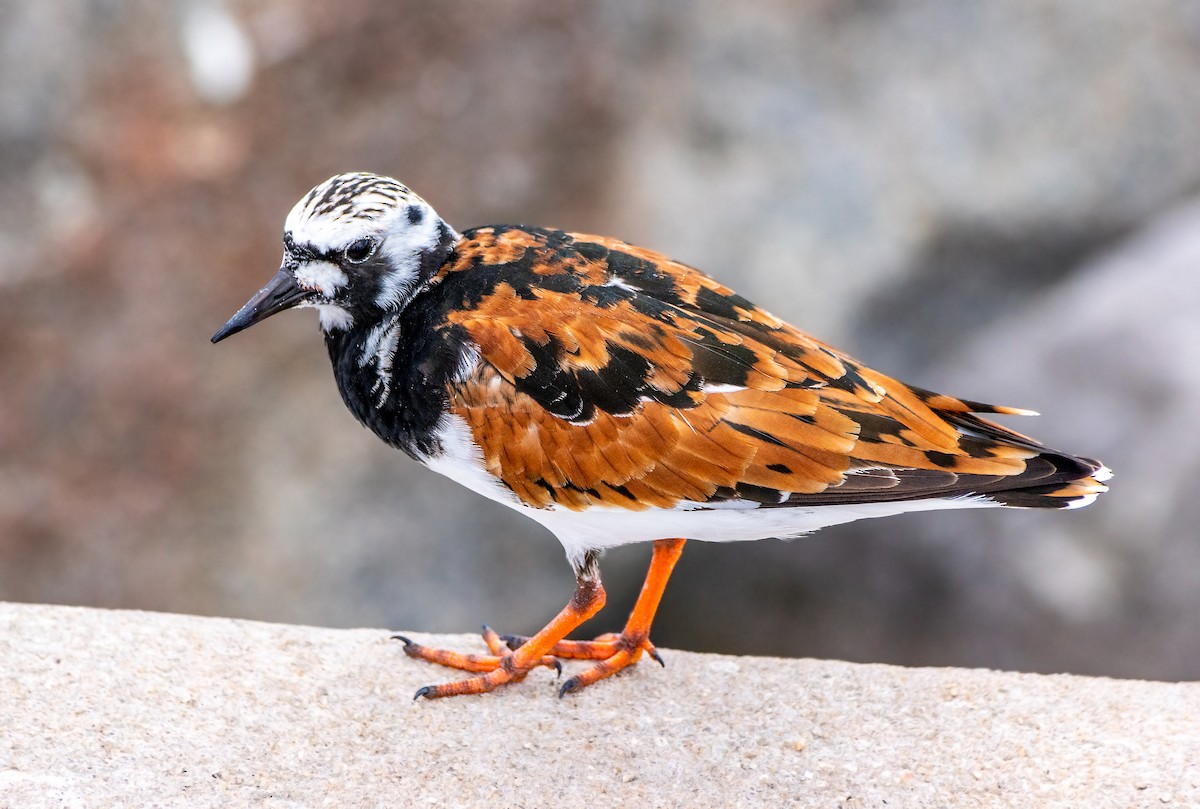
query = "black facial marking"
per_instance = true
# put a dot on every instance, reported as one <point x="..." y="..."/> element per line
<point x="415" y="214"/>
<point x="433" y="258"/>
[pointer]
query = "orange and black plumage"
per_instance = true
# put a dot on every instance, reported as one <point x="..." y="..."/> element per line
<point x="616" y="395"/>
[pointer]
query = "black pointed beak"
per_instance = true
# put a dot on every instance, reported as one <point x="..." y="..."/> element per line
<point x="281" y="292"/>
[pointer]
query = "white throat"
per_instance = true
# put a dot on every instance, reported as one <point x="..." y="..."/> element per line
<point x="333" y="317"/>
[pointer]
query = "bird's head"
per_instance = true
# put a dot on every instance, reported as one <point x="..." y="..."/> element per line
<point x="356" y="247"/>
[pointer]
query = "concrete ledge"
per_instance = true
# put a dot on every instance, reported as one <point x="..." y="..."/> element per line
<point x="102" y="708"/>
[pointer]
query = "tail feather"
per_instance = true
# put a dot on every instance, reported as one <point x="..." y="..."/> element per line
<point x="1040" y="477"/>
<point x="1051" y="479"/>
<point x="1066" y="489"/>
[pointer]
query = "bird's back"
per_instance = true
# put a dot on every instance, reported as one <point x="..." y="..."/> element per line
<point x="592" y="373"/>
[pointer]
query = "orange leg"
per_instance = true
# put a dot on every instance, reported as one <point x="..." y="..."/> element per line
<point x="613" y="652"/>
<point x="470" y="662"/>
<point x="504" y="666"/>
<point x="634" y="639"/>
<point x="616" y="652"/>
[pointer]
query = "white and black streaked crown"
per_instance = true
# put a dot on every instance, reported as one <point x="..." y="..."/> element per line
<point x="331" y="208"/>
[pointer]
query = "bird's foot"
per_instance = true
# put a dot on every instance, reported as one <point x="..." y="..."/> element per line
<point x="613" y="652"/>
<point x="502" y="665"/>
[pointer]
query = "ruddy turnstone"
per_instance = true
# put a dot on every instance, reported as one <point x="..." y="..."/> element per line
<point x="614" y="395"/>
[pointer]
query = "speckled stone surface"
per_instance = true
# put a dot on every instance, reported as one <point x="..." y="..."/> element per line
<point x="102" y="708"/>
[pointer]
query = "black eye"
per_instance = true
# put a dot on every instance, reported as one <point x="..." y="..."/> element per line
<point x="359" y="250"/>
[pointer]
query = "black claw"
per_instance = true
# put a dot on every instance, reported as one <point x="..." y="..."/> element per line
<point x="514" y="642"/>
<point x="422" y="692"/>
<point x="568" y="687"/>
<point x="407" y="642"/>
<point x="558" y="667"/>
<point x="657" y="658"/>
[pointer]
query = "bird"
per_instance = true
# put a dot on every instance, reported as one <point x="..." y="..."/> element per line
<point x="614" y="396"/>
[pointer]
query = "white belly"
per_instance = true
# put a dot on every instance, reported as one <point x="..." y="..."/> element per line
<point x="603" y="527"/>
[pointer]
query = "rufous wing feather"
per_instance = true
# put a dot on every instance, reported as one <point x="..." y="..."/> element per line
<point x="611" y="375"/>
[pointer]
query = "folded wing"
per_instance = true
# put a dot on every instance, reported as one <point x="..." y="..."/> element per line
<point x="611" y="375"/>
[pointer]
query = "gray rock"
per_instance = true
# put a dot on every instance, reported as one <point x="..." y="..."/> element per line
<point x="143" y="709"/>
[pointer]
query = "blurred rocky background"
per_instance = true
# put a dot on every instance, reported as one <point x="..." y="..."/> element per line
<point x="992" y="199"/>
